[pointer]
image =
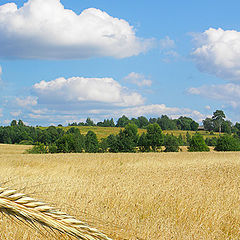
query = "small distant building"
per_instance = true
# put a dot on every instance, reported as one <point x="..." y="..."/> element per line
<point x="201" y="128"/>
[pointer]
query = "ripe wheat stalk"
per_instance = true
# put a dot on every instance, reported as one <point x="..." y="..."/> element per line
<point x="22" y="207"/>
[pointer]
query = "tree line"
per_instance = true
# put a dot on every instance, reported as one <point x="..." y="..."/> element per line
<point x="166" y="123"/>
<point x="128" y="140"/>
<point x="217" y="123"/>
<point x="56" y="140"/>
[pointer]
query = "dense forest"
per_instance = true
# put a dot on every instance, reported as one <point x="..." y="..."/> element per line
<point x="55" y="140"/>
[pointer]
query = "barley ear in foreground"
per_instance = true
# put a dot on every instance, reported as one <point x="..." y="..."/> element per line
<point x="28" y="209"/>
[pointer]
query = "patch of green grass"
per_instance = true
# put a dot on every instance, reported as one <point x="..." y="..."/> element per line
<point x="103" y="132"/>
<point x="205" y="134"/>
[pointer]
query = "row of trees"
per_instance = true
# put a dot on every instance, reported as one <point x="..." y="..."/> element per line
<point x="217" y="123"/>
<point x="56" y="140"/>
<point x="166" y="123"/>
<point x="128" y="140"/>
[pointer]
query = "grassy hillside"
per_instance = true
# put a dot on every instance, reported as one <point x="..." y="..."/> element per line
<point x="103" y="132"/>
<point x="132" y="196"/>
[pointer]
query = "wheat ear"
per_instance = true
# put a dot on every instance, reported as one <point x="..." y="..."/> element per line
<point x="28" y="209"/>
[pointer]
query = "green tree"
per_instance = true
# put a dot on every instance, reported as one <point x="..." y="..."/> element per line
<point x="227" y="143"/>
<point x="143" y="143"/>
<point x="211" y="141"/>
<point x="20" y="123"/>
<point x="208" y="124"/>
<point x="184" y="123"/>
<point x="122" y="121"/>
<point x="197" y="144"/>
<point x="39" y="148"/>
<point x="143" y="122"/>
<point x="65" y="144"/>
<point x="113" y="144"/>
<point x="166" y="123"/>
<point x="154" y="136"/>
<point x="194" y="126"/>
<point x="52" y="148"/>
<point x="188" y="137"/>
<point x="218" y="119"/>
<point x="180" y="140"/>
<point x="91" y="142"/>
<point x="171" y="143"/>
<point x="13" y="123"/>
<point x="135" y="121"/>
<point x="227" y="127"/>
<point x="73" y="130"/>
<point x="106" y="123"/>
<point x="89" y="122"/>
<point x="103" y="145"/>
<point x="152" y="120"/>
<point x="128" y="138"/>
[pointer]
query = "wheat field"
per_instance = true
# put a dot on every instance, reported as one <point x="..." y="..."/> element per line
<point x="149" y="196"/>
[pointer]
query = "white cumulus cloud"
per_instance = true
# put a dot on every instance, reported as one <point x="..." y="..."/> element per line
<point x="0" y="73"/>
<point x="138" y="79"/>
<point x="227" y="93"/>
<point x="16" y="113"/>
<point x="27" y="101"/>
<point x="78" y="90"/>
<point x="167" y="43"/>
<point x="46" y="30"/>
<point x="218" y="52"/>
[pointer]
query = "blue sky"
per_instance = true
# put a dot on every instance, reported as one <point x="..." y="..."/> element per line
<point x="64" y="61"/>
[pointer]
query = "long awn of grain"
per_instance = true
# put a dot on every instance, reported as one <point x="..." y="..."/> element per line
<point x="31" y="211"/>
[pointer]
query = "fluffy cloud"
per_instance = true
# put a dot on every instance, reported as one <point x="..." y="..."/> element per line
<point x="154" y="110"/>
<point x="46" y="30"/>
<point x="218" y="53"/>
<point x="0" y="73"/>
<point x="79" y="90"/>
<point x="16" y="113"/>
<point x="6" y="121"/>
<point x="227" y="93"/>
<point x="138" y="79"/>
<point x="167" y="43"/>
<point x="28" y="101"/>
<point x="1" y="112"/>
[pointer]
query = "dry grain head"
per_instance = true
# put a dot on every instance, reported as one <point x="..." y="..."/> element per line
<point x="22" y="207"/>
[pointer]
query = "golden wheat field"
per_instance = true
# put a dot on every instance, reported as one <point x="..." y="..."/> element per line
<point x="149" y="196"/>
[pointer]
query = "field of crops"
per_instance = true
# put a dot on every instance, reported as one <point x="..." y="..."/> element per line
<point x="149" y="196"/>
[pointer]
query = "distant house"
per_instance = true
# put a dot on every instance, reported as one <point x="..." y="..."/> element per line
<point x="201" y="128"/>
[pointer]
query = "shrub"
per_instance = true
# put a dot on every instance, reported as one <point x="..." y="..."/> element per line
<point x="143" y="143"/>
<point x="103" y="145"/>
<point x="26" y="142"/>
<point x="227" y="143"/>
<point x="52" y="148"/>
<point x="211" y="141"/>
<point x="91" y="142"/>
<point x="197" y="144"/>
<point x="39" y="148"/>
<point x="127" y="139"/>
<point x="113" y="144"/>
<point x="154" y="136"/>
<point x="171" y="143"/>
